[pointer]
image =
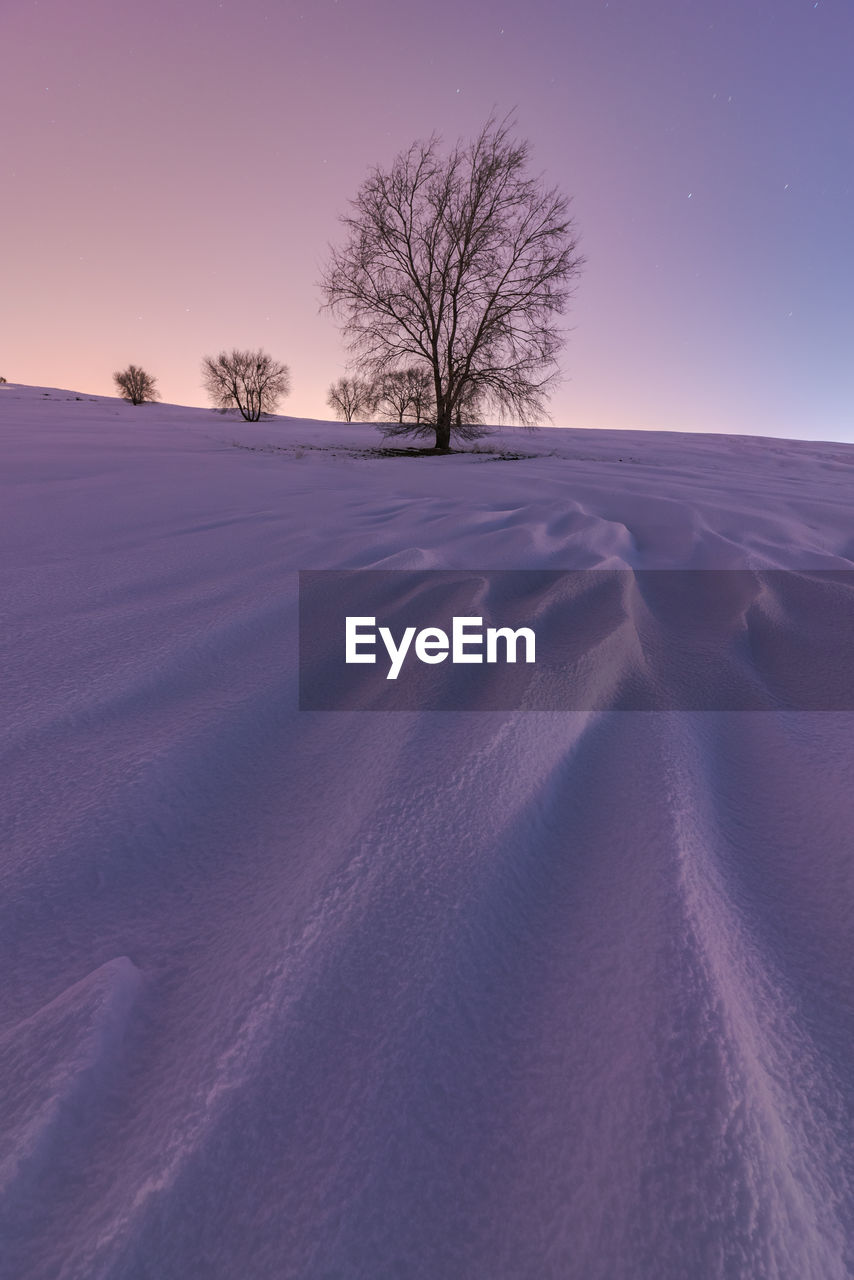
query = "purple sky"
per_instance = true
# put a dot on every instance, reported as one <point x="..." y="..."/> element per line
<point x="172" y="172"/>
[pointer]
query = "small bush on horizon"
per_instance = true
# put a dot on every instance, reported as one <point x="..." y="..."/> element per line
<point x="135" y="385"/>
<point x="351" y="397"/>
<point x="251" y="381"/>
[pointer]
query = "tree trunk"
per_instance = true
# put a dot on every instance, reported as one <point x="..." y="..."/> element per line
<point x="443" y="433"/>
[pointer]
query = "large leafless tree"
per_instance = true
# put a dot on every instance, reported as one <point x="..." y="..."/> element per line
<point x="136" y="385"/>
<point x="351" y="398"/>
<point x="251" y="381"/>
<point x="461" y="262"/>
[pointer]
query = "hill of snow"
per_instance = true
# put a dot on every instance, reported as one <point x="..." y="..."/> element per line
<point x="303" y="995"/>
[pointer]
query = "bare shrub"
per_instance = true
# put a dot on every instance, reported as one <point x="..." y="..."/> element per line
<point x="251" y="381"/>
<point x="351" y="398"/>
<point x="136" y="385"/>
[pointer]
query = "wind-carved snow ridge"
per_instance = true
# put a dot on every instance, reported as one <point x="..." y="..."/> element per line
<point x="54" y="1067"/>
<point x="772" y="1195"/>
<point x="299" y="995"/>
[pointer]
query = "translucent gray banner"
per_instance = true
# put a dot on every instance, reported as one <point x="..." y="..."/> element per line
<point x="577" y="640"/>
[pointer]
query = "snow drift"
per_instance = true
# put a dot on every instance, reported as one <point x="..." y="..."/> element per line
<point x="299" y="994"/>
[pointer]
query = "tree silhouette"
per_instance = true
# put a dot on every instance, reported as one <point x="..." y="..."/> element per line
<point x="251" y="381"/>
<point x="405" y="396"/>
<point x="136" y="385"/>
<point x="349" y="398"/>
<point x="460" y="264"/>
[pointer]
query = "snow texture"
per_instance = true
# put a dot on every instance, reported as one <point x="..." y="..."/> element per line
<point x="407" y="995"/>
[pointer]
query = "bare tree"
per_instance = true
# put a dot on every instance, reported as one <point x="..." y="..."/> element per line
<point x="136" y="385"/>
<point x="393" y="396"/>
<point x="462" y="264"/>
<point x="422" y="402"/>
<point x="251" y="381"/>
<point x="351" y="397"/>
<point x="405" y="395"/>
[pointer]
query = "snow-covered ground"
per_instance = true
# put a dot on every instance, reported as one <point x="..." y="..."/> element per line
<point x="442" y="996"/>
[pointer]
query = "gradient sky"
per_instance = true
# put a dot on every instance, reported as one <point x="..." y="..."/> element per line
<point x="172" y="172"/>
